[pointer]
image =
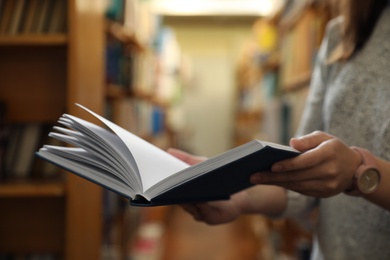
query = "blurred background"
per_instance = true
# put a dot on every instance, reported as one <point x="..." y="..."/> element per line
<point x="203" y="76"/>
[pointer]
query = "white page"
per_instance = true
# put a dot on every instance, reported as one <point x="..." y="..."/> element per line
<point x="153" y="163"/>
<point x="80" y="155"/>
<point x="95" y="175"/>
<point x="105" y="145"/>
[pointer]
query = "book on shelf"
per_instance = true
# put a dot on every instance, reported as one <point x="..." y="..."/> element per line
<point x="147" y="175"/>
<point x="43" y="16"/>
<point x="31" y="12"/>
<point x="21" y="141"/>
<point x="18" y="143"/>
<point x="13" y="136"/>
<point x="57" y="23"/>
<point x="32" y="16"/>
<point x="27" y="144"/>
<point x="115" y="9"/>
<point x="17" y="16"/>
<point x="40" y="169"/>
<point x="6" y="16"/>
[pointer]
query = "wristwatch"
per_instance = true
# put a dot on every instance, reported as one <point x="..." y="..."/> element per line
<point x="367" y="176"/>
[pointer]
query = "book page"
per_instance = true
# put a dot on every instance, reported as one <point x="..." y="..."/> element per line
<point x="153" y="163"/>
<point x="104" y="158"/>
<point x="94" y="174"/>
<point x="102" y="143"/>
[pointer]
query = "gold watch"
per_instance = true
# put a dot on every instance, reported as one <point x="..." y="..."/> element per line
<point x="367" y="176"/>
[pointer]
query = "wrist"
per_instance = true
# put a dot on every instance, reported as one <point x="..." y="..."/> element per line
<point x="241" y="201"/>
<point x="358" y="161"/>
<point x="366" y="177"/>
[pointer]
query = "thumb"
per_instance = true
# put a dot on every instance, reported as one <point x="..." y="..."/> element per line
<point x="309" y="141"/>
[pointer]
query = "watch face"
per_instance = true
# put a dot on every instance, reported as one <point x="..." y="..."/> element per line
<point x="369" y="180"/>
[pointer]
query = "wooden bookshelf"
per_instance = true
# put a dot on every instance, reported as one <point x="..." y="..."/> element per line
<point x="135" y="101"/>
<point x="42" y="74"/>
<point x="33" y="225"/>
<point x="31" y="40"/>
<point x="284" y="72"/>
<point x="31" y="189"/>
<point x="299" y="31"/>
<point x="259" y="61"/>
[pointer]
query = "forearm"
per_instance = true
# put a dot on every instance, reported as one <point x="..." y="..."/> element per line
<point x="262" y="199"/>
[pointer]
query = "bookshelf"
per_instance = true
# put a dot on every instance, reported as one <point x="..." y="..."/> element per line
<point x="142" y="82"/>
<point x="44" y="70"/>
<point x="273" y="84"/>
<point x="43" y="73"/>
<point x="143" y="70"/>
<point x="38" y="40"/>
<point x="275" y="80"/>
<point x="301" y="30"/>
<point x="257" y="81"/>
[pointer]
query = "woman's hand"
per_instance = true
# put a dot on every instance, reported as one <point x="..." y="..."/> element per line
<point x="325" y="168"/>
<point x="186" y="157"/>
<point x="216" y="212"/>
<point x="260" y="199"/>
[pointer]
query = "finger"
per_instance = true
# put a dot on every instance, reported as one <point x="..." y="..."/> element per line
<point x="303" y="187"/>
<point x="306" y="174"/>
<point x="193" y="210"/>
<point x="314" y="158"/>
<point x="309" y="141"/>
<point x="185" y="157"/>
<point x="312" y="188"/>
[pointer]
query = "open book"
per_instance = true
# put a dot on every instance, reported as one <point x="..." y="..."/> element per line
<point x="148" y="176"/>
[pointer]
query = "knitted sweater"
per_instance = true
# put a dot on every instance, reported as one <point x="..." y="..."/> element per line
<point x="350" y="100"/>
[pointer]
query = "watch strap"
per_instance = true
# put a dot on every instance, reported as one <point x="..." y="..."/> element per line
<point x="367" y="159"/>
<point x="366" y="155"/>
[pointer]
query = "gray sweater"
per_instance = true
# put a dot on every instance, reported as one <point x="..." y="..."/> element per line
<point x="351" y="101"/>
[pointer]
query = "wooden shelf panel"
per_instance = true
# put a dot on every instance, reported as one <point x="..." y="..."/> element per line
<point x="31" y="225"/>
<point x="41" y="77"/>
<point x="34" y="39"/>
<point x="33" y="82"/>
<point x="26" y="189"/>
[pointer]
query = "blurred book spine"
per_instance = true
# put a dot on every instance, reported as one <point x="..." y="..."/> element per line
<point x="32" y="17"/>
